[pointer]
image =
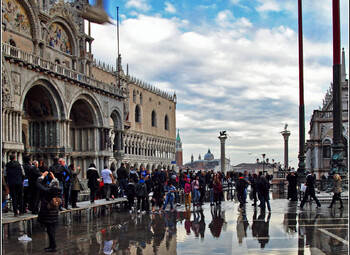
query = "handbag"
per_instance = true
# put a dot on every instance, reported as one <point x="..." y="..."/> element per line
<point x="303" y="187"/>
<point x="54" y="203"/>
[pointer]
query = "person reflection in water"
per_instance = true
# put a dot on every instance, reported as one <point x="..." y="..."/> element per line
<point x="201" y="225"/>
<point x="260" y="228"/>
<point x="188" y="221"/>
<point x="215" y="225"/>
<point x="307" y="226"/>
<point x="242" y="225"/>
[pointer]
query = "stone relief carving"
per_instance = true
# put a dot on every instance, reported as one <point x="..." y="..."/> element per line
<point x="16" y="82"/>
<point x="6" y="91"/>
<point x="105" y="105"/>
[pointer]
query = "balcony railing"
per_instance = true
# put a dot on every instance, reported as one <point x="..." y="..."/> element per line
<point x="59" y="70"/>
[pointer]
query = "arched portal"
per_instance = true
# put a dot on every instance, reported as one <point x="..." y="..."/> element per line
<point x="82" y="127"/>
<point x="40" y="124"/>
<point x="116" y="133"/>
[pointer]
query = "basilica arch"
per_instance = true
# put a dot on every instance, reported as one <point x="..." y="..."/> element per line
<point x="42" y="112"/>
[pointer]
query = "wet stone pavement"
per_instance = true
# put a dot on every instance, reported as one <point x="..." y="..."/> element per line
<point x="210" y="230"/>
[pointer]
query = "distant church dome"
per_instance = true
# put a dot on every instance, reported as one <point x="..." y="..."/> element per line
<point x="208" y="156"/>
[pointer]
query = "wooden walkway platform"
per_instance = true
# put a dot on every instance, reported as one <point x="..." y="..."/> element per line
<point x="8" y="218"/>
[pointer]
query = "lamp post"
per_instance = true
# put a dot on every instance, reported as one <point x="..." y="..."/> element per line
<point x="265" y="162"/>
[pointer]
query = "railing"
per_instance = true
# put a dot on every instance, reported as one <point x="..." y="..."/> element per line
<point x="328" y="115"/>
<point x="65" y="72"/>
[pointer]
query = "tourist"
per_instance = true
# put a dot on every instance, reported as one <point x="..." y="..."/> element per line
<point x="253" y="187"/>
<point x="188" y="190"/>
<point x="67" y="182"/>
<point x="337" y="191"/>
<point x="122" y="178"/>
<point x="14" y="175"/>
<point x="217" y="188"/>
<point x="202" y="185"/>
<point x="75" y="185"/>
<point x="310" y="190"/>
<point x="130" y="193"/>
<point x="57" y="169"/>
<point x="240" y="189"/>
<point x="158" y="194"/>
<point x="134" y="175"/>
<point x="170" y="196"/>
<point x="33" y="174"/>
<point x="49" y="217"/>
<point x="149" y="186"/>
<point x="5" y="188"/>
<point x="195" y="190"/>
<point x="292" y="179"/>
<point x="262" y="189"/>
<point x="108" y="180"/>
<point x="26" y="192"/>
<point x="93" y="181"/>
<point x="141" y="193"/>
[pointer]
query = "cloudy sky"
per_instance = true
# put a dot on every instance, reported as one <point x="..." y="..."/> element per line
<point x="233" y="65"/>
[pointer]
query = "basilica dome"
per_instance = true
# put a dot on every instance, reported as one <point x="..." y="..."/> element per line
<point x="208" y="156"/>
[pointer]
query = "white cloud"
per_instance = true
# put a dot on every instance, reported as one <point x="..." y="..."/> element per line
<point x="238" y="78"/>
<point x="170" y="8"/>
<point x="141" y="5"/>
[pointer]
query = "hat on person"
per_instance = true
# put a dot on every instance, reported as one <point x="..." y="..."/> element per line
<point x="54" y="183"/>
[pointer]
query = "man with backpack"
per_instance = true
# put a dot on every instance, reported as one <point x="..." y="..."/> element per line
<point x="141" y="193"/>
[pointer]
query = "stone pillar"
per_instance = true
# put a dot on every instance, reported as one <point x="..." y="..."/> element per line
<point x="222" y="137"/>
<point x="285" y="133"/>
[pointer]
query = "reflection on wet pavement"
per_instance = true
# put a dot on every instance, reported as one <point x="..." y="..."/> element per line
<point x="212" y="230"/>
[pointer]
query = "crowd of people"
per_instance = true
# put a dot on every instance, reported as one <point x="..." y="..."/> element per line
<point x="145" y="190"/>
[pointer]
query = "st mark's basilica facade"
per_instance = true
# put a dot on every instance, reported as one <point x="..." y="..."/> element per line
<point x="58" y="101"/>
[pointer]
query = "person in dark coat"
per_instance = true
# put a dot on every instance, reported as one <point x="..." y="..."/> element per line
<point x="93" y="181"/>
<point x="241" y="185"/>
<point x="14" y="174"/>
<point x="122" y="174"/>
<point x="253" y="187"/>
<point x="292" y="179"/>
<point x="33" y="173"/>
<point x="49" y="217"/>
<point x="158" y="195"/>
<point x="310" y="190"/>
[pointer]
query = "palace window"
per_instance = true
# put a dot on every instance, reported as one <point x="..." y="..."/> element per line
<point x="134" y="96"/>
<point x="327" y="149"/>
<point x="166" y="122"/>
<point x="154" y="118"/>
<point x="137" y="113"/>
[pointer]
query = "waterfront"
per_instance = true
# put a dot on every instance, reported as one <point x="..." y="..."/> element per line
<point x="286" y="230"/>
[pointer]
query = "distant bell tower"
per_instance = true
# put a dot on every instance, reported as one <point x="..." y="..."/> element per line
<point x="178" y="150"/>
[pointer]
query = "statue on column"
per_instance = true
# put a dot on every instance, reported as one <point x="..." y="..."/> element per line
<point x="111" y="139"/>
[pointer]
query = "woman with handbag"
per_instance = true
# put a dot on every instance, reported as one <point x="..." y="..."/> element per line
<point x="75" y="185"/>
<point x="337" y="191"/>
<point x="49" y="215"/>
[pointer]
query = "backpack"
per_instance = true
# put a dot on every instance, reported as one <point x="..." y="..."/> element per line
<point x="134" y="177"/>
<point x="54" y="203"/>
<point x="139" y="189"/>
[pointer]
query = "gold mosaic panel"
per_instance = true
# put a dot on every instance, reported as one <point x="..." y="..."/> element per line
<point x="15" y="17"/>
<point x="58" y="38"/>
